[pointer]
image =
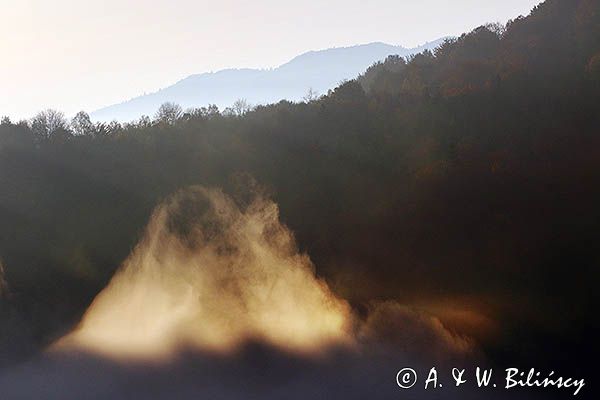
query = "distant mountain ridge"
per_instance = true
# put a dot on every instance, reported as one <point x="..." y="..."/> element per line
<point x="319" y="70"/>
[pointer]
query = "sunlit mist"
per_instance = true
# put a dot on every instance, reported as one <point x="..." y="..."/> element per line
<point x="211" y="274"/>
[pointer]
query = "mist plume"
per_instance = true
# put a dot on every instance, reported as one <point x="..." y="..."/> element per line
<point x="211" y="274"/>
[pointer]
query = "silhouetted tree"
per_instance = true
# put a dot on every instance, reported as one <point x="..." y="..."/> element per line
<point x="47" y="122"/>
<point x="81" y="124"/>
<point x="144" y="121"/>
<point x="311" y="95"/>
<point x="238" y="108"/>
<point x="168" y="113"/>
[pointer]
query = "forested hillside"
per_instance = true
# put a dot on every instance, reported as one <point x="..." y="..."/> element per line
<point x="467" y="176"/>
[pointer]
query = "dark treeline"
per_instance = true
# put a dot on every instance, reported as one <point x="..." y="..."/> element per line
<point x="468" y="173"/>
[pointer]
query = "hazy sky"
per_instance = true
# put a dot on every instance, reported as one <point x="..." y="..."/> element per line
<point x="73" y="54"/>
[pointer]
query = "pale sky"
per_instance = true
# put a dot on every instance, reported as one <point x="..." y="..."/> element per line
<point x="76" y="55"/>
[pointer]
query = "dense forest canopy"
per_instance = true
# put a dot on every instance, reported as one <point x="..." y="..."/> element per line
<point x="468" y="175"/>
